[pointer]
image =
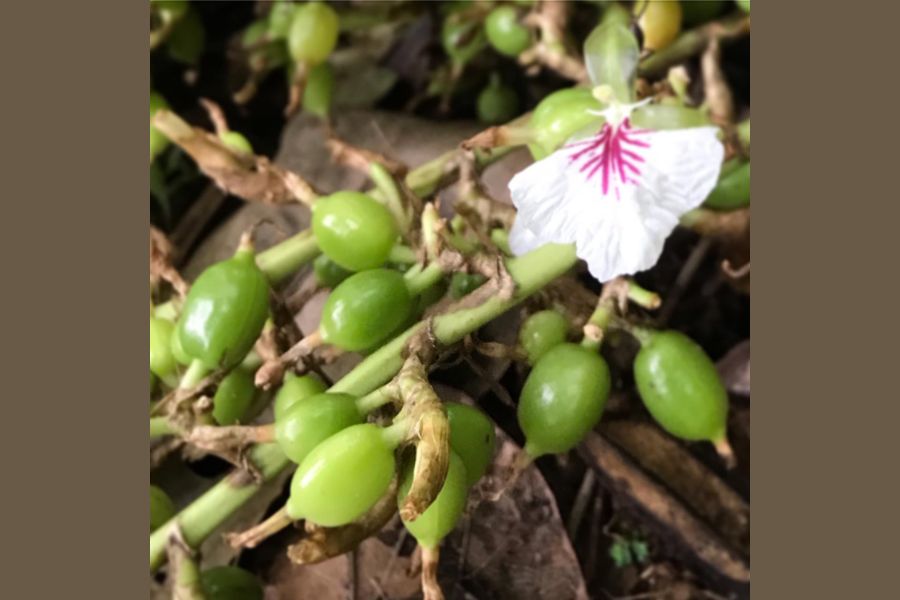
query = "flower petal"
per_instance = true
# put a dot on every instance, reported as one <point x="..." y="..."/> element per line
<point x="548" y="199"/>
<point x="521" y="239"/>
<point x="618" y="229"/>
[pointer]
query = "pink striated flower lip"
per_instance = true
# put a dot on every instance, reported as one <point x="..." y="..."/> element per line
<point x="615" y="154"/>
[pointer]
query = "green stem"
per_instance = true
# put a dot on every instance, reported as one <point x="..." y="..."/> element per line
<point x="500" y="237"/>
<point x="194" y="375"/>
<point x="692" y="42"/>
<point x="464" y="245"/>
<point x="642" y="297"/>
<point x="396" y="433"/>
<point x="743" y="131"/>
<point x="199" y="519"/>
<point x="166" y="310"/>
<point x="376" y="399"/>
<point x="426" y="179"/>
<point x="251" y="362"/>
<point x="283" y="259"/>
<point x="430" y="221"/>
<point x="423" y="280"/>
<point x="286" y="257"/>
<point x="403" y="255"/>
<point x="601" y="317"/>
<point x="643" y="335"/>
<point x="186" y="576"/>
<point x="530" y="272"/>
<point x="386" y="191"/>
<point x="159" y="426"/>
<point x="693" y="216"/>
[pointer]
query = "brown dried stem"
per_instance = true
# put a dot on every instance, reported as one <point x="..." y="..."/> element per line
<point x="693" y="42"/>
<point x="267" y="344"/>
<point x="551" y="51"/>
<point x="182" y="399"/>
<point x="272" y="371"/>
<point x="428" y="423"/>
<point x="613" y="301"/>
<point x="725" y="452"/>
<point x="730" y="225"/>
<point x="220" y="123"/>
<point x="361" y="159"/>
<point x="514" y="133"/>
<point x="431" y="589"/>
<point x="298" y="86"/>
<point x="247" y="91"/>
<point x="216" y="438"/>
<point x="718" y="95"/>
<point x="167" y="21"/>
<point x="250" y="538"/>
<point x="184" y="573"/>
<point x="322" y="543"/>
<point x="510" y="478"/>
<point x="161" y="263"/>
<point x="479" y="209"/>
<point x="230" y="443"/>
<point x="260" y="65"/>
<point x="253" y="178"/>
<point x="738" y="273"/>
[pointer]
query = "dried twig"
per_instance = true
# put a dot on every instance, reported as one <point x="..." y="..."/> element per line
<point x="706" y="494"/>
<point x="693" y="42"/>
<point x="272" y="371"/>
<point x="661" y="509"/>
<point x="738" y="273"/>
<point x="297" y="87"/>
<point x="424" y="410"/>
<point x="551" y="19"/>
<point x="684" y="278"/>
<point x="220" y="123"/>
<point x="184" y="574"/>
<point x="161" y="263"/>
<point x="585" y="493"/>
<point x="322" y="543"/>
<point x="718" y="95"/>
<point x="361" y="159"/>
<point x="253" y="178"/>
<point x="730" y="225"/>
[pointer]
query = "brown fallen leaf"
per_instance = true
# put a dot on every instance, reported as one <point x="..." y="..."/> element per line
<point x="517" y="546"/>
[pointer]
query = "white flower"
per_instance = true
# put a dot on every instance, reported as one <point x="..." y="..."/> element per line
<point x="617" y="195"/>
